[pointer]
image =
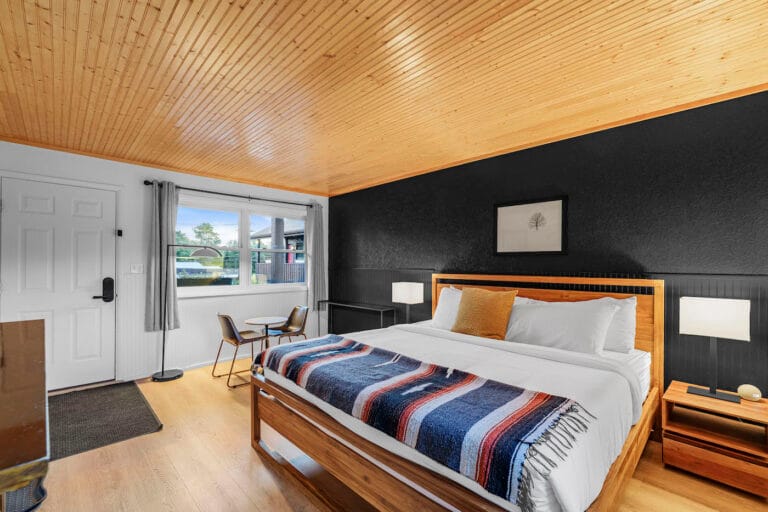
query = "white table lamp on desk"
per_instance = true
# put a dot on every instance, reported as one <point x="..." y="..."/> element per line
<point x="715" y="318"/>
<point x="408" y="293"/>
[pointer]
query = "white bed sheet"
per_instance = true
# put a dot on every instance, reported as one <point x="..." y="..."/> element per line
<point x="640" y="363"/>
<point x="607" y="387"/>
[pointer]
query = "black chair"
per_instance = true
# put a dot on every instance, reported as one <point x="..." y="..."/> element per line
<point x="294" y="326"/>
<point x="236" y="338"/>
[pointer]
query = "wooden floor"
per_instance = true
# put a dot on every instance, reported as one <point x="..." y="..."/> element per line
<point x="202" y="461"/>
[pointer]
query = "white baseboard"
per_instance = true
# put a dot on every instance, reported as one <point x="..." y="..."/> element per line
<point x="210" y="362"/>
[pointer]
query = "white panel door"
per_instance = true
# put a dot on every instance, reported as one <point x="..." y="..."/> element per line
<point x="57" y="244"/>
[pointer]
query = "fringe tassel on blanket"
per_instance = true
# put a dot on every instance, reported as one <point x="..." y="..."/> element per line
<point x="558" y="438"/>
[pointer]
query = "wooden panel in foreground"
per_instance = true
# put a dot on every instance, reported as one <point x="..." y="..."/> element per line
<point x="23" y="404"/>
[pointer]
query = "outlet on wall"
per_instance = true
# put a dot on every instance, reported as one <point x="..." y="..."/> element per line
<point x="137" y="268"/>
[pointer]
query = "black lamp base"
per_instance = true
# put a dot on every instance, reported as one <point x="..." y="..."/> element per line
<point x="718" y="395"/>
<point x="167" y="375"/>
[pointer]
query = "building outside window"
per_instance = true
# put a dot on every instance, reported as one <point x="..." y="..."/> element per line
<point x="277" y="250"/>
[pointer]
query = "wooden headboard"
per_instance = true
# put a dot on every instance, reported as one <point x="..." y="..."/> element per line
<point x="649" y="293"/>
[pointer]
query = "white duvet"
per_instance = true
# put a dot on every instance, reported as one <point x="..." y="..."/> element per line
<point x="609" y="389"/>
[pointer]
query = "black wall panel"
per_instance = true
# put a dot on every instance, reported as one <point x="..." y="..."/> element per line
<point x="683" y="197"/>
<point x="374" y="286"/>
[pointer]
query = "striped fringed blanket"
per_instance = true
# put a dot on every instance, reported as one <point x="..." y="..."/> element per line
<point x="488" y="431"/>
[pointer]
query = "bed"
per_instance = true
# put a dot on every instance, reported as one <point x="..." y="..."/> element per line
<point x="391" y="476"/>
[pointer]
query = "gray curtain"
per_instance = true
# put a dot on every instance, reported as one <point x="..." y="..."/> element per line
<point x="162" y="231"/>
<point x="316" y="255"/>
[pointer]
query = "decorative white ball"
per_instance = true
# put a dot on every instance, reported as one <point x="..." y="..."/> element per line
<point x="749" y="392"/>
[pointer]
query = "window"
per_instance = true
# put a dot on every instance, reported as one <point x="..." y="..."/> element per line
<point x="214" y="252"/>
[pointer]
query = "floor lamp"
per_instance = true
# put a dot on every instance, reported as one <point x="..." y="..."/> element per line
<point x="200" y="251"/>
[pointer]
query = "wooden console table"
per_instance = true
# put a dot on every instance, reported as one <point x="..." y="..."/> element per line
<point x="378" y="308"/>
<point x="24" y="452"/>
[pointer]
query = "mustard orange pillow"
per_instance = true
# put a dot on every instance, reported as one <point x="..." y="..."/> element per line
<point x="484" y="313"/>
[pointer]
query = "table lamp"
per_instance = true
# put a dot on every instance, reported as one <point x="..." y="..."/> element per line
<point x="715" y="318"/>
<point x="408" y="293"/>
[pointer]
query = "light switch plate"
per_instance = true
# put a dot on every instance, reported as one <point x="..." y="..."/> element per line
<point x="137" y="268"/>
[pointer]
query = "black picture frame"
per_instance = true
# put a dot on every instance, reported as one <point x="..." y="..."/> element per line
<point x="563" y="226"/>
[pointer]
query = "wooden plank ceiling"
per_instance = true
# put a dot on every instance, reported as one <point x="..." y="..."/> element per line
<point x="331" y="96"/>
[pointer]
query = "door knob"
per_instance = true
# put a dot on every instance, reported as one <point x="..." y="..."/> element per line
<point x="107" y="290"/>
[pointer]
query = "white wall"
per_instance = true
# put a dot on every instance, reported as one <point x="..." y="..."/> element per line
<point x="196" y="342"/>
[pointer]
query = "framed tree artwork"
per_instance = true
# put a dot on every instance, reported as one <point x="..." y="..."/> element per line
<point x="531" y="227"/>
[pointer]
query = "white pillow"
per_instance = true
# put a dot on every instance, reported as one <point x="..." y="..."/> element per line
<point x="575" y="326"/>
<point x="447" y="308"/>
<point x="621" y="332"/>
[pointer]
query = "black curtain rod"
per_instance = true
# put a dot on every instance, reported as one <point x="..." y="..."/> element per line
<point x="239" y="196"/>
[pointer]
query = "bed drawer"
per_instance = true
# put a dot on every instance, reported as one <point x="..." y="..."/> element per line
<point x="703" y="460"/>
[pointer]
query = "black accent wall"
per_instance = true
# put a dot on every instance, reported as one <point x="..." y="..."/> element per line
<point x="683" y="198"/>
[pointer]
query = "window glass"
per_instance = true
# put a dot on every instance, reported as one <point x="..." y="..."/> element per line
<point x="219" y="263"/>
<point x="279" y="256"/>
<point x="261" y="231"/>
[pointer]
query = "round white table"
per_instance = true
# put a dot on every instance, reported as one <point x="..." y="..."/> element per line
<point x="266" y="321"/>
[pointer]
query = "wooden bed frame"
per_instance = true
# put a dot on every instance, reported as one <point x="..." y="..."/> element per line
<point x="392" y="483"/>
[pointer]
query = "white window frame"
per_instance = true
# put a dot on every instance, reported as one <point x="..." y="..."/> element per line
<point x="245" y="208"/>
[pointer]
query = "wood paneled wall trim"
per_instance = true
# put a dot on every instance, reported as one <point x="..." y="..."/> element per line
<point x="328" y="97"/>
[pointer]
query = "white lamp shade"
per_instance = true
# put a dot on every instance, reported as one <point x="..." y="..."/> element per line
<point x="716" y="318"/>
<point x="408" y="293"/>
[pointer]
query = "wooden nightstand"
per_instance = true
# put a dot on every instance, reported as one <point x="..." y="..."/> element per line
<point x="724" y="441"/>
